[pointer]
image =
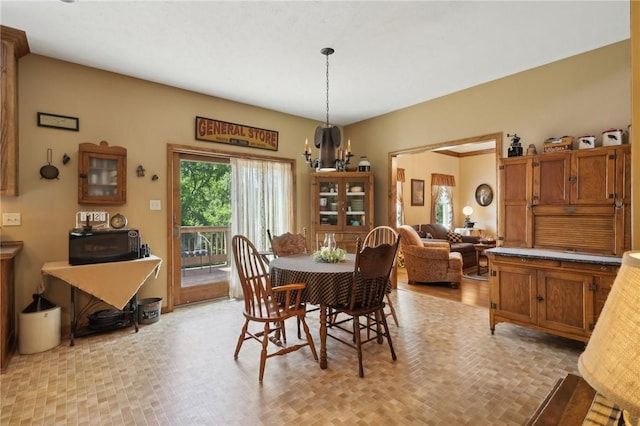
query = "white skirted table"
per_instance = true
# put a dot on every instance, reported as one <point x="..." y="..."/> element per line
<point x="115" y="283"/>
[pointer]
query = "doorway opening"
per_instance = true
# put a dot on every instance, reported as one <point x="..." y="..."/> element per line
<point x="473" y="146"/>
<point x="205" y="222"/>
<point x="208" y="193"/>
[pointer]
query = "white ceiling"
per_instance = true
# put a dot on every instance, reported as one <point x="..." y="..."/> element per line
<point x="389" y="54"/>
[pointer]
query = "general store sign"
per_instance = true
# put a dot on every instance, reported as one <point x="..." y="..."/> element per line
<point x="211" y="130"/>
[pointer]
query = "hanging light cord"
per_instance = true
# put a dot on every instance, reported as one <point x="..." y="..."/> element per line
<point x="326" y="52"/>
<point x="327" y="55"/>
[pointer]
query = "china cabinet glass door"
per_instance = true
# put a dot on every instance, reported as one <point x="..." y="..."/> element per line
<point x="329" y="199"/>
<point x="355" y="203"/>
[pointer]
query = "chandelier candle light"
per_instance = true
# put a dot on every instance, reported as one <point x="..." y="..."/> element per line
<point x="327" y="139"/>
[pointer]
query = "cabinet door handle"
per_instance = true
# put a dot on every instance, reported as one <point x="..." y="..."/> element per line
<point x="539" y="298"/>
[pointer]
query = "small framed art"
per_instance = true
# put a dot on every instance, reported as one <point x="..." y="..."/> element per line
<point x="417" y="192"/>
<point x="58" y="121"/>
<point x="484" y="195"/>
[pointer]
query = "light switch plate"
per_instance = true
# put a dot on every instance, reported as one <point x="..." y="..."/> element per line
<point x="154" y="205"/>
<point x="11" y="219"/>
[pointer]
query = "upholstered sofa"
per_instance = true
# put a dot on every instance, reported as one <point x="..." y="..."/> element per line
<point x="430" y="261"/>
<point x="465" y="246"/>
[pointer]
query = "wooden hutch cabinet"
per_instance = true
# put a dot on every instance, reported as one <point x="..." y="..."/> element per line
<point x="573" y="200"/>
<point x="564" y="222"/>
<point x="102" y="174"/>
<point x="342" y="203"/>
<point x="555" y="295"/>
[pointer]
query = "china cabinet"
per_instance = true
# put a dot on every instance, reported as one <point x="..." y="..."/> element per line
<point x="342" y="204"/>
<point x="102" y="174"/>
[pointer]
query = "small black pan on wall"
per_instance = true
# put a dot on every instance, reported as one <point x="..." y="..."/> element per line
<point x="49" y="171"/>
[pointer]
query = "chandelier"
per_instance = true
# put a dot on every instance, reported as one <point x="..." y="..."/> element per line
<point x="327" y="139"/>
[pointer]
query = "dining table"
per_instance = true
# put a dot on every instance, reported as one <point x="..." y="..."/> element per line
<point x="326" y="284"/>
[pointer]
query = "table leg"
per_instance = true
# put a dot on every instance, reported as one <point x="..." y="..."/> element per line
<point x="478" y="260"/>
<point x="323" y="336"/>
<point x="72" y="314"/>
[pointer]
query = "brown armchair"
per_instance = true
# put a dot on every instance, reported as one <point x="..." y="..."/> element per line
<point x="429" y="262"/>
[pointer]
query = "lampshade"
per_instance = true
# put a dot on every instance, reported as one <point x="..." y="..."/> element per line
<point x="611" y="360"/>
<point x="467" y="210"/>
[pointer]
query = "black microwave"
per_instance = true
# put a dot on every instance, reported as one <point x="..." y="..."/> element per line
<point x="103" y="245"/>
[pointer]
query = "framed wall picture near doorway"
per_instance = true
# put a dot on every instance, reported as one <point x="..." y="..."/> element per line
<point x="484" y="195"/>
<point x="417" y="192"/>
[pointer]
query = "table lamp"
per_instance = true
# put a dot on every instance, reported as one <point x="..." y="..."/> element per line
<point x="467" y="211"/>
<point x="611" y="361"/>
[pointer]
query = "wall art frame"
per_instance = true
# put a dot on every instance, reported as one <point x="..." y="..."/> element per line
<point x="56" y="121"/>
<point x="484" y="195"/>
<point x="417" y="192"/>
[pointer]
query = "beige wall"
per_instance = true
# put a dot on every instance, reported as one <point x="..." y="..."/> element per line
<point x="584" y="94"/>
<point x="141" y="116"/>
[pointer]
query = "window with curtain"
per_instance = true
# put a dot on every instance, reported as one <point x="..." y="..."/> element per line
<point x="442" y="199"/>
<point x="399" y="197"/>
<point x="261" y="194"/>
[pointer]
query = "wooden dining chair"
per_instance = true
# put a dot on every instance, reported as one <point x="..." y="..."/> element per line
<point x="265" y="305"/>
<point x="289" y="244"/>
<point x="384" y="235"/>
<point x="366" y="299"/>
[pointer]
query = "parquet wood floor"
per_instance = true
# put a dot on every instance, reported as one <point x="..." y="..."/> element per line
<point x="180" y="371"/>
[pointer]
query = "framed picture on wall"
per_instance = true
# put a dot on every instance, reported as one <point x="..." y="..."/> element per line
<point x="417" y="192"/>
<point x="484" y="195"/>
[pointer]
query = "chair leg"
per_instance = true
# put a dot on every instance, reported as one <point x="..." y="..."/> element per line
<point x="393" y="310"/>
<point x="263" y="353"/>
<point x="356" y="328"/>
<point x="241" y="338"/>
<point x="386" y="330"/>
<point x="309" y="338"/>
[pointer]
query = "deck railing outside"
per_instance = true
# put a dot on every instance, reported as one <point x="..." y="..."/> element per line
<point x="204" y="246"/>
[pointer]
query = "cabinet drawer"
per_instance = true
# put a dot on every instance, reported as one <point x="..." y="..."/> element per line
<point x="528" y="261"/>
<point x="607" y="269"/>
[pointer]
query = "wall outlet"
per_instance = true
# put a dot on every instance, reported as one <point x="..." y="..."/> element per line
<point x="11" y="219"/>
<point x="154" y="205"/>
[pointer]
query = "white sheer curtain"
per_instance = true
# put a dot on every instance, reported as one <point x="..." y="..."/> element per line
<point x="261" y="194"/>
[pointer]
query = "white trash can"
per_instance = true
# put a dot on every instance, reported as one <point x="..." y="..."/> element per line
<point x="39" y="331"/>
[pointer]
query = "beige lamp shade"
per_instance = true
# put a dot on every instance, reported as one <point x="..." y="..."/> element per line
<point x="611" y="360"/>
<point x="467" y="210"/>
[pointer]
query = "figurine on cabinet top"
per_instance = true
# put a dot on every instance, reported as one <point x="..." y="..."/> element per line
<point x="515" y="149"/>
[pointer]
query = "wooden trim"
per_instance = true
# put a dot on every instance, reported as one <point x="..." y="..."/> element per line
<point x="16" y="37"/>
<point x="635" y="121"/>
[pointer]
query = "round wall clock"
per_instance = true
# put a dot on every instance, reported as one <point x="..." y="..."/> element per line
<point x="118" y="221"/>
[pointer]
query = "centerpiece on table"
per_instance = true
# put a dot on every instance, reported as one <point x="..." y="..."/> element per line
<point x="329" y="255"/>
